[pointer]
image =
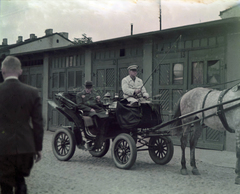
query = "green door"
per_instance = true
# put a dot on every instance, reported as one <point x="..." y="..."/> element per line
<point x="169" y="83"/>
<point x="206" y="68"/>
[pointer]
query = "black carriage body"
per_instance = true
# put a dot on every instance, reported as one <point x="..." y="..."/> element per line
<point x="126" y="127"/>
<point x="122" y="119"/>
<point x="68" y="107"/>
<point x="145" y="116"/>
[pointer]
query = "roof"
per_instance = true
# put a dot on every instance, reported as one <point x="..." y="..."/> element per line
<point x="7" y="47"/>
<point x="237" y="5"/>
<point x="222" y="24"/>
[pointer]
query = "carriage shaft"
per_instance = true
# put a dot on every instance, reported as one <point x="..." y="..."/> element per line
<point x="196" y="112"/>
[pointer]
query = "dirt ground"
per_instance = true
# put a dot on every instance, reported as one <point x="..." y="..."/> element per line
<point x="87" y="175"/>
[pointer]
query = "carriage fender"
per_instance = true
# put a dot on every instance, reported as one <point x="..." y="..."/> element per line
<point x="76" y="133"/>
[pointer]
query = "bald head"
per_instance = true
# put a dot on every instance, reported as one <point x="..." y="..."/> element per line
<point x="11" y="66"/>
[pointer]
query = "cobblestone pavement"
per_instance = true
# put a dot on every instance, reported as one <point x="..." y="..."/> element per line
<point x="89" y="175"/>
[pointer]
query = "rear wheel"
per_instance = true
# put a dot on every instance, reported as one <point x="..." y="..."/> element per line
<point x="161" y="149"/>
<point x="124" y="151"/>
<point x="101" y="151"/>
<point x="63" y="144"/>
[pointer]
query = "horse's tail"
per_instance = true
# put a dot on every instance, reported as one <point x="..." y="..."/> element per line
<point x="177" y="113"/>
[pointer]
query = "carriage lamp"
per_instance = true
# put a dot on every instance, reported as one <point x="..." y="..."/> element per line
<point x="106" y="99"/>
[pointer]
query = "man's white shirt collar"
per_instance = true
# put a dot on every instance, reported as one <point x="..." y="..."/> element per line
<point x="11" y="77"/>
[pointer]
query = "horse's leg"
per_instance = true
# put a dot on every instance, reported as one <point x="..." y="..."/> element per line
<point x="193" y="142"/>
<point x="183" y="147"/>
<point x="237" y="169"/>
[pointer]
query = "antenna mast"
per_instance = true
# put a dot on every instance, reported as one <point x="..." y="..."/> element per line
<point x="160" y="15"/>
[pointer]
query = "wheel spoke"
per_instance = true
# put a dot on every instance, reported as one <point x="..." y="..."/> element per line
<point x="62" y="144"/>
<point x="160" y="148"/>
<point x="123" y="152"/>
<point x="61" y="151"/>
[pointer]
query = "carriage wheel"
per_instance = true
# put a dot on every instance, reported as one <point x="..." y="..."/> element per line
<point x="101" y="151"/>
<point x="161" y="149"/>
<point x="63" y="144"/>
<point x="124" y="151"/>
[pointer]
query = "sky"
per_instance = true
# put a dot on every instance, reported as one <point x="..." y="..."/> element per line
<point x="102" y="19"/>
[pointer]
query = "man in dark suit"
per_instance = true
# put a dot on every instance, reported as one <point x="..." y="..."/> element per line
<point x="89" y="102"/>
<point x="21" y="128"/>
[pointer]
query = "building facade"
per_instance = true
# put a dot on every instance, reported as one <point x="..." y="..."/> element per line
<point x="170" y="61"/>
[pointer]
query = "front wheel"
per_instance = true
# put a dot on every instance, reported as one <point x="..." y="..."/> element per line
<point x="124" y="151"/>
<point x="161" y="149"/>
<point x="101" y="151"/>
<point x="63" y="144"/>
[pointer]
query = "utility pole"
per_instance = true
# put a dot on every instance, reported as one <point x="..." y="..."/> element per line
<point x="160" y="15"/>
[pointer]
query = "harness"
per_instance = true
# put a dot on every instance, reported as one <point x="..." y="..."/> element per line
<point x="220" y="111"/>
<point x="204" y="100"/>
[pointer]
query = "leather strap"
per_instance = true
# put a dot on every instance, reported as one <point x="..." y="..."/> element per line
<point x="204" y="100"/>
<point x="221" y="113"/>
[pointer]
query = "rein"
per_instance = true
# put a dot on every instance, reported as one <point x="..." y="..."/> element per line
<point x="196" y="112"/>
<point x="213" y="85"/>
<point x="179" y="37"/>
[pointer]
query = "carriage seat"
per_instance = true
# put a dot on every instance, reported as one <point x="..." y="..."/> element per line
<point x="88" y="122"/>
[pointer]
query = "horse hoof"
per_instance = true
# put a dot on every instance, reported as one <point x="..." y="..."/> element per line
<point x="237" y="180"/>
<point x="184" y="171"/>
<point x="195" y="171"/>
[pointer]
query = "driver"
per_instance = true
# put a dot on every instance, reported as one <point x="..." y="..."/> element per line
<point x="132" y="87"/>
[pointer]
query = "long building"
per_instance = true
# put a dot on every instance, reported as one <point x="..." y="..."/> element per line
<point x="170" y="61"/>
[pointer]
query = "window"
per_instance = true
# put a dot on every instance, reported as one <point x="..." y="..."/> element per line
<point x="110" y="77"/>
<point x="213" y="72"/>
<point x="61" y="80"/>
<point x="197" y="72"/>
<point x="71" y="79"/>
<point x="78" y="78"/>
<point x="122" y="52"/>
<point x="177" y="73"/>
<point x="39" y="81"/>
<point x="33" y="80"/>
<point x="164" y="74"/>
<point x="70" y="61"/>
<point x="67" y="61"/>
<point x="100" y="78"/>
<point x="55" y="80"/>
<point x="63" y="62"/>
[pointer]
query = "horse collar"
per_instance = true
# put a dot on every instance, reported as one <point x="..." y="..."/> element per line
<point x="221" y="113"/>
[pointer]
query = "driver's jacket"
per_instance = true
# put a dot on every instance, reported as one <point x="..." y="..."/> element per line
<point x="129" y="86"/>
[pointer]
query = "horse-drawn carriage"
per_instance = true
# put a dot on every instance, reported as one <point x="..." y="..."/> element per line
<point x="218" y="110"/>
<point x="128" y="128"/>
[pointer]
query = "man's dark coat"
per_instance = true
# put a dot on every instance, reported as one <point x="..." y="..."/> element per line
<point x="18" y="103"/>
<point x="87" y="101"/>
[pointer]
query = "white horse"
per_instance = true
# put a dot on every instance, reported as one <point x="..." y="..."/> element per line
<point x="201" y="98"/>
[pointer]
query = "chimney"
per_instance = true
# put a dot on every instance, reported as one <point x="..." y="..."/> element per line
<point x="20" y="39"/>
<point x="64" y="34"/>
<point x="48" y="32"/>
<point x="5" y="42"/>
<point x="131" y="28"/>
<point x="32" y="36"/>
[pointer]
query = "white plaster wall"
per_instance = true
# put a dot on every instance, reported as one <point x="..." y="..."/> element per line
<point x="41" y="44"/>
